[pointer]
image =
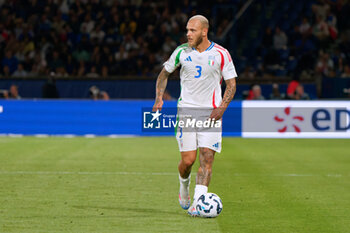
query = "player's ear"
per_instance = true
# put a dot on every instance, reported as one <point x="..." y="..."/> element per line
<point x="205" y="32"/>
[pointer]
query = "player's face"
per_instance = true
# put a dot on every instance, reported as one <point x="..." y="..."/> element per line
<point x="194" y="33"/>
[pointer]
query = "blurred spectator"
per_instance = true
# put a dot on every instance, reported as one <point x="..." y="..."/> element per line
<point x="40" y="64"/>
<point x="321" y="9"/>
<point x="56" y="62"/>
<point x="169" y="45"/>
<point x="10" y="61"/>
<point x="81" y="54"/>
<point x="280" y="39"/>
<point x="49" y="89"/>
<point x="96" y="94"/>
<point x="276" y="94"/>
<point x="256" y="90"/>
<point x="339" y="65"/>
<point x="129" y="43"/>
<point x="320" y="29"/>
<point x="324" y="64"/>
<point x="4" y="94"/>
<point x="81" y="69"/>
<point x="20" y="72"/>
<point x="64" y="6"/>
<point x="57" y="24"/>
<point x="104" y="71"/>
<point x="122" y="54"/>
<point x="292" y="86"/>
<point x="346" y="73"/>
<point x="104" y="95"/>
<point x="13" y="93"/>
<point x="27" y="46"/>
<point x="93" y="73"/>
<point x="128" y="25"/>
<point x="61" y="72"/>
<point x="88" y="25"/>
<point x="97" y="34"/>
<point x="332" y="25"/>
<point x="300" y="94"/>
<point x="6" y="71"/>
<point x="305" y="27"/>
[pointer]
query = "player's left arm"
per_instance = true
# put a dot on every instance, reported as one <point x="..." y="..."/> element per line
<point x="229" y="93"/>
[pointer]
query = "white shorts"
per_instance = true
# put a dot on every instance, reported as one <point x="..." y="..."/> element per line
<point x="189" y="141"/>
<point x="192" y="136"/>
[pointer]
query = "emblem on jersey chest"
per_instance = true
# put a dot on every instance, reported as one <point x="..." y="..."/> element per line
<point x="211" y="60"/>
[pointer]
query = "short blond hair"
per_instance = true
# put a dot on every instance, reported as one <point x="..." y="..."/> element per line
<point x="204" y="21"/>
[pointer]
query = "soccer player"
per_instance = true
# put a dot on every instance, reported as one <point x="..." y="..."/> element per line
<point x="203" y="66"/>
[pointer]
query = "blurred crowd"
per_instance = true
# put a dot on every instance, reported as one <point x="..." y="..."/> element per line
<point x="95" y="38"/>
<point x="12" y="93"/>
<point x="295" y="91"/>
<point x="90" y="38"/>
<point x="103" y="38"/>
<point x="318" y="43"/>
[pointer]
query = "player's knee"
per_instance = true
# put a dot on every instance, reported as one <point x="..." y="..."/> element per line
<point x="188" y="162"/>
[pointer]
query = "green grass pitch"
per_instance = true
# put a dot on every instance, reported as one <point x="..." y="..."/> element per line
<point x="131" y="185"/>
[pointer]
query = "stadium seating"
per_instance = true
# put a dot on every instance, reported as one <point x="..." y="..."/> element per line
<point x="115" y="39"/>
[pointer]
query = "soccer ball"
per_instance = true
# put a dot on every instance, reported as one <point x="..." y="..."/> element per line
<point x="209" y="205"/>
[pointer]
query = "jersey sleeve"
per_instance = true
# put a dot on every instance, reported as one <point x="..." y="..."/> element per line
<point x="228" y="71"/>
<point x="174" y="60"/>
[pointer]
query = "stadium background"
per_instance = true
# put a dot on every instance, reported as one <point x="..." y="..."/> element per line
<point x="120" y="46"/>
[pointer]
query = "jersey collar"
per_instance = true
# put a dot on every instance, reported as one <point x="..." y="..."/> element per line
<point x="209" y="48"/>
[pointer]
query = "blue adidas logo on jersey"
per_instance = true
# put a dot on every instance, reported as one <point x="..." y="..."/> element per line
<point x="188" y="58"/>
<point x="216" y="145"/>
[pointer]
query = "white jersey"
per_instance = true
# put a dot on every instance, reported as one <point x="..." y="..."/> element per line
<point x="201" y="74"/>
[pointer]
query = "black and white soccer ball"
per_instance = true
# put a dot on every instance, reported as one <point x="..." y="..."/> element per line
<point x="209" y="205"/>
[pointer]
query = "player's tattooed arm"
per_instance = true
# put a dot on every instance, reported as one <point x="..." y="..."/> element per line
<point x="228" y="96"/>
<point x="162" y="81"/>
<point x="229" y="92"/>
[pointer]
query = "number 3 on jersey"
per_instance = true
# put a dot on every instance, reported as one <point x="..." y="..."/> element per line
<point x="199" y="72"/>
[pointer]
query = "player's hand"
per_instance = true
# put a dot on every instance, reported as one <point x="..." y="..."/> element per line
<point x="217" y="113"/>
<point x="157" y="105"/>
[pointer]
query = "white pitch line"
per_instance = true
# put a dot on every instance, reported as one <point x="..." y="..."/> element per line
<point x="84" y="173"/>
<point x="69" y="135"/>
<point x="151" y="173"/>
<point x="290" y="175"/>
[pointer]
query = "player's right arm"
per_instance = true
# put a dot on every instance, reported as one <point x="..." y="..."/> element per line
<point x="162" y="81"/>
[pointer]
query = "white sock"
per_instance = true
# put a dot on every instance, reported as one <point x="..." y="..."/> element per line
<point x="184" y="185"/>
<point x="185" y="180"/>
<point x="199" y="190"/>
